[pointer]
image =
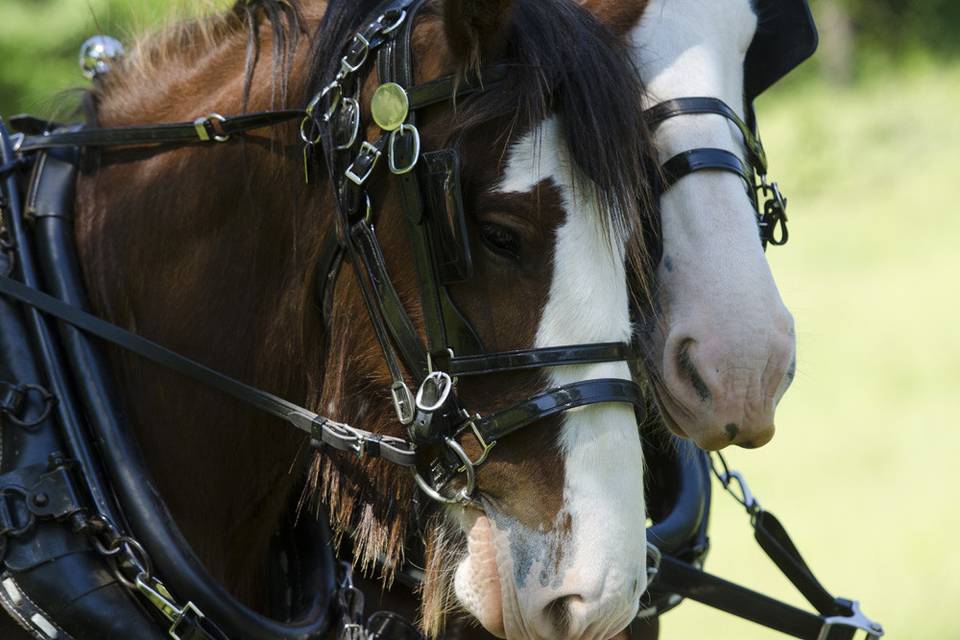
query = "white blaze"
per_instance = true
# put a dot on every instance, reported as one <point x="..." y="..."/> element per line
<point x="601" y="566"/>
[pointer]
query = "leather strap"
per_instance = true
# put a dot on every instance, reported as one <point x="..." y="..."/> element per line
<point x="321" y="429"/>
<point x="658" y="114"/>
<point x="212" y="128"/>
<point x="488" y="363"/>
<point x="687" y="162"/>
<point x="558" y="400"/>
<point x="680" y="578"/>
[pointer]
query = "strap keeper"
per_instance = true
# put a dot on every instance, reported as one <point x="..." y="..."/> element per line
<point x="206" y="131"/>
<point x="360" y="169"/>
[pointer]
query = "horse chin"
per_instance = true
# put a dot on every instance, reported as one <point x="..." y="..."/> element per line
<point x="477" y="581"/>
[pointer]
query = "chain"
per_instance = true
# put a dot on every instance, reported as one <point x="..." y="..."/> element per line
<point x="741" y="492"/>
<point x="132" y="566"/>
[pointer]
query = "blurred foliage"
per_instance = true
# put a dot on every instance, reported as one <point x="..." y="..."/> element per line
<point x="40" y="41"/>
<point x="863" y="468"/>
<point x="896" y="25"/>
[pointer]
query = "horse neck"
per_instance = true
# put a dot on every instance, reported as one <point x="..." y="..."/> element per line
<point x="210" y="251"/>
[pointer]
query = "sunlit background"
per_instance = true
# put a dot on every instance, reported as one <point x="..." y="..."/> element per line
<point x="865" y="140"/>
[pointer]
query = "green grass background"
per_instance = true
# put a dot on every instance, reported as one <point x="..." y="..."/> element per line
<point x="864" y="469"/>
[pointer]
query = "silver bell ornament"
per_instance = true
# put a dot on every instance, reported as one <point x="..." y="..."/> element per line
<point x="98" y="54"/>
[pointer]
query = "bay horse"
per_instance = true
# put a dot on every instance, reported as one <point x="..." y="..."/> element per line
<point x="555" y="181"/>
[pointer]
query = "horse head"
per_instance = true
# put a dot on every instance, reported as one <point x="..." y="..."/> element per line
<point x="555" y="196"/>
<point x="721" y="351"/>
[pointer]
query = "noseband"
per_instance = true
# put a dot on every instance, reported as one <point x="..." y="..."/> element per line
<point x="772" y="219"/>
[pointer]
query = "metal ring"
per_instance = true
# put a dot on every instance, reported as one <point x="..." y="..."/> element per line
<point x="45" y="396"/>
<point x="138" y="557"/>
<point x="31" y="517"/>
<point x="385" y="29"/>
<point x="463" y="496"/>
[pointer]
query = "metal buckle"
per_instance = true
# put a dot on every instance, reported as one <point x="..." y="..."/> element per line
<point x="403" y="402"/>
<point x="353" y="631"/>
<point x="346" y="66"/>
<point x="856" y="620"/>
<point x="462" y="497"/>
<point x="201" y="124"/>
<point x="391" y="155"/>
<point x="16" y="141"/>
<point x="369" y="150"/>
<point x="158" y="595"/>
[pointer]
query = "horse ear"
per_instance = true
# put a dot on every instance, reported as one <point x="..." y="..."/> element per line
<point x="476" y="29"/>
<point x="620" y="16"/>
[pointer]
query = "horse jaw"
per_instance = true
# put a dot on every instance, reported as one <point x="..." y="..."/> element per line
<point x="724" y="348"/>
<point x="582" y="575"/>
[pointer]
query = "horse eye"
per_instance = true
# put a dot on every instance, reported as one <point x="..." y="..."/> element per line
<point x="501" y="240"/>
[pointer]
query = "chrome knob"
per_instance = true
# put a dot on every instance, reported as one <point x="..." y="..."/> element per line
<point x="98" y="54"/>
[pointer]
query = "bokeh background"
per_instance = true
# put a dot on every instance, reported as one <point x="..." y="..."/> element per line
<point x="865" y="140"/>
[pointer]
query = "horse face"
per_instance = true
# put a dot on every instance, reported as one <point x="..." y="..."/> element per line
<point x="723" y="346"/>
<point x="557" y="549"/>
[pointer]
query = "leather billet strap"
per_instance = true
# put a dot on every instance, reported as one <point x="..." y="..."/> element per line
<point x="659" y="113"/>
<point x="211" y="128"/>
<point x="687" y="162"/>
<point x="838" y="619"/>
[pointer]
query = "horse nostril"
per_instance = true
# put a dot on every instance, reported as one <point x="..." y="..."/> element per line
<point x="732" y="430"/>
<point x="559" y="613"/>
<point x="688" y="370"/>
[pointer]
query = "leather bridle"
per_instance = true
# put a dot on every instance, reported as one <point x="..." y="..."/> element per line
<point x="772" y="218"/>
<point x="435" y="420"/>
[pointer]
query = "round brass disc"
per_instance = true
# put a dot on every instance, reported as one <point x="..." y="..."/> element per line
<point x="389" y="106"/>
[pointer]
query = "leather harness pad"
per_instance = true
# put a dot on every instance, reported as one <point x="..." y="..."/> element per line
<point x="441" y="177"/>
<point x="786" y="36"/>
